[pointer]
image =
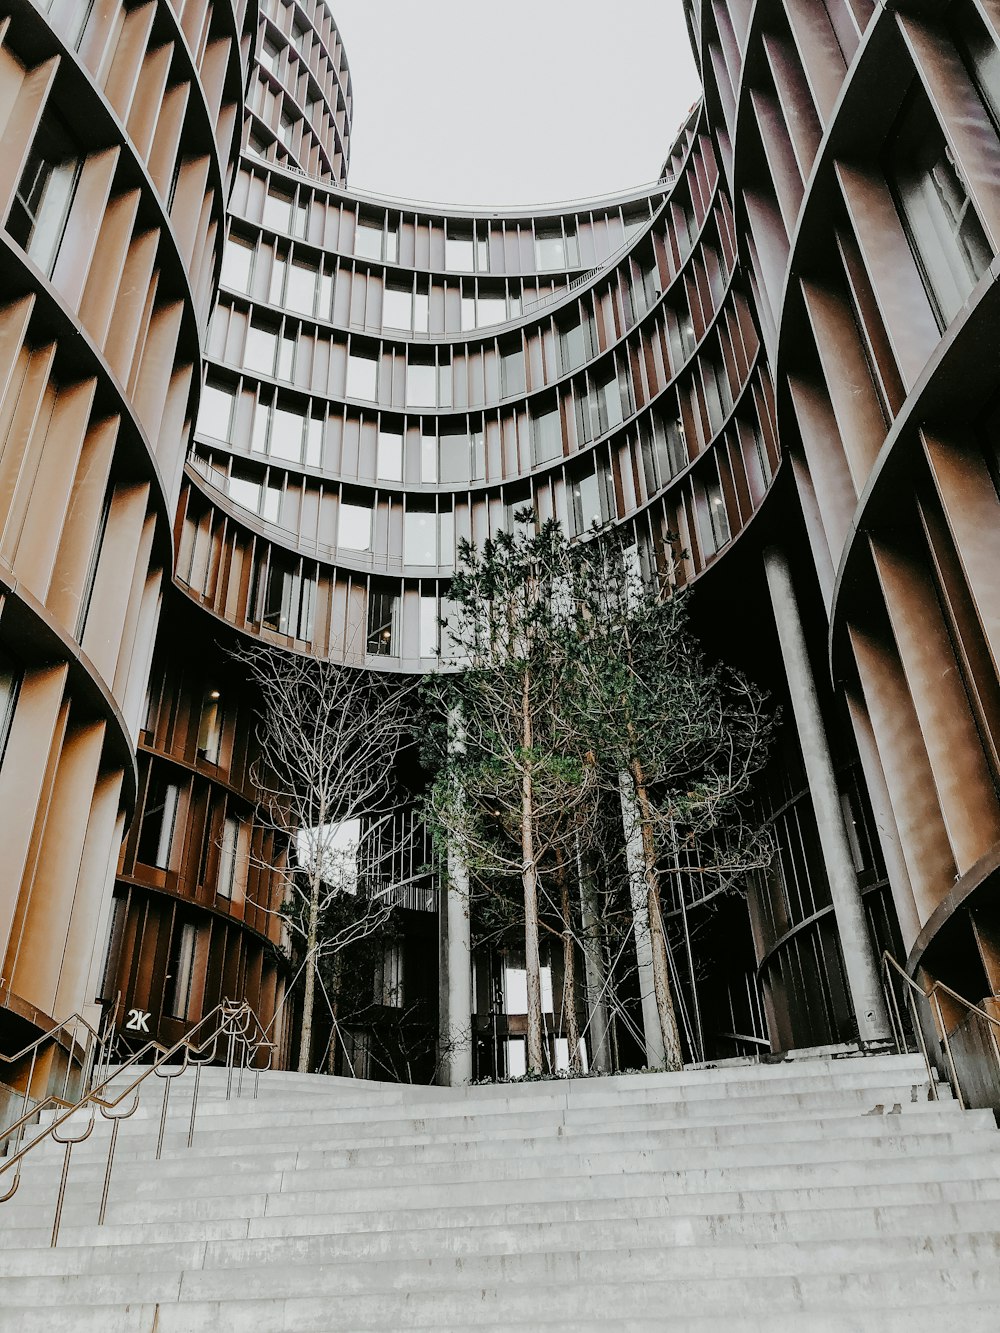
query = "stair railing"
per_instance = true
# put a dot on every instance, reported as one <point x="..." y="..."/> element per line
<point x="84" y="1046"/>
<point x="233" y="1026"/>
<point x="976" y="1091"/>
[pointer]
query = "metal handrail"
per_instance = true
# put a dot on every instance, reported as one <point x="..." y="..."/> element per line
<point x="34" y="1048"/>
<point x="933" y="997"/>
<point x="245" y="1037"/>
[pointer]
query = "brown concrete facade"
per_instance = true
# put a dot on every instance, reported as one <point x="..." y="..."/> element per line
<point x="288" y="402"/>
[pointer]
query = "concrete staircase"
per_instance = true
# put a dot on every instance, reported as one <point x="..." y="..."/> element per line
<point x="817" y="1194"/>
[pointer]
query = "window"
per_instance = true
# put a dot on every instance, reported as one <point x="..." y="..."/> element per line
<point x="713" y="520"/>
<point x="45" y="192"/>
<point x="517" y="1062"/>
<point x="156" y="832"/>
<point x="572" y="348"/>
<point x="490" y="310"/>
<point x="286" y="128"/>
<point x="943" y="228"/>
<point x="268" y="54"/>
<point x="421" y="384"/>
<point x="281" y="431"/>
<point x="368" y="239"/>
<point x="180" y="970"/>
<point x="249" y="493"/>
<point x="90" y="576"/>
<point x="210" y="728"/>
<point x="362" y="376"/>
<point x="397" y="307"/>
<point x="215" y="411"/>
<point x="459" y="252"/>
<point x="589" y="506"/>
<point x="228" y="856"/>
<point x="604" y="407"/>
<point x="287" y="602"/>
<point x="555" y="250"/>
<point x="237" y="263"/>
<point x="512" y="371"/>
<point x="546" y="435"/>
<point x="428" y="457"/>
<point x="389" y="456"/>
<point x="420" y="537"/>
<point x="429" y="627"/>
<point x="354" y="527"/>
<point x="10" y="682"/>
<point x="278" y="212"/>
<point x="421" y="312"/>
<point x="260" y="349"/>
<point x="389" y="978"/>
<point x="300" y="287"/>
<point x="383" y="613"/>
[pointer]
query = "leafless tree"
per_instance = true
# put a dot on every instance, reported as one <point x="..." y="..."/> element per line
<point x="329" y="738"/>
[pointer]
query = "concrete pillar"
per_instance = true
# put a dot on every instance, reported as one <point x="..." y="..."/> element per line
<point x="652" y="1032"/>
<point x="855" y="942"/>
<point x="595" y="972"/>
<point x="456" y="956"/>
<point x="456" y="1029"/>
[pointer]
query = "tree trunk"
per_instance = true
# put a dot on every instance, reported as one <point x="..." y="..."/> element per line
<point x="331" y="1066"/>
<point x="595" y="972"/>
<point x="673" y="1054"/>
<point x="569" y="967"/>
<point x="529" y="883"/>
<point x="309" y="996"/>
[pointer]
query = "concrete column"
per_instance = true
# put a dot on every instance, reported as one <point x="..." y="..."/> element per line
<point x="456" y="1030"/>
<point x="595" y="972"/>
<point x="652" y="1032"/>
<point x="456" y="956"/>
<point x="855" y="942"/>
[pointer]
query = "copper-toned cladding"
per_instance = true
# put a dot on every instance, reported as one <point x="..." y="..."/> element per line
<point x="373" y="380"/>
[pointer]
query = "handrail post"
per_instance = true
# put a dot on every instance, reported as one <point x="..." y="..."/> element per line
<point x="922" y="1040"/>
<point x="947" y="1048"/>
<point x="107" y="1171"/>
<point x="892" y="1008"/>
<point x="194" y="1103"/>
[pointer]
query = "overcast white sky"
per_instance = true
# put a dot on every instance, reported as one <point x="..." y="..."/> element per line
<point x="513" y="101"/>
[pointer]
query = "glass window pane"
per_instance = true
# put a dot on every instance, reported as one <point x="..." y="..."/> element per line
<point x="259" y="352"/>
<point x="368" y="240"/>
<point x="421" y="385"/>
<point x="245" y="492"/>
<point x="459" y="254"/>
<point x="300" y="293"/>
<point x="491" y="310"/>
<point x="354" y="528"/>
<point x="227" y="857"/>
<point x="362" y="377"/>
<point x="429" y="630"/>
<point x="419" y="538"/>
<point x="546" y="436"/>
<point x="237" y="262"/>
<point x="314" y="442"/>
<point x="9" y="683"/>
<point x="550" y="250"/>
<point x="45" y="191"/>
<point x="397" y="308"/>
<point x="382" y="615"/>
<point x="278" y="213"/>
<point x="428" y="458"/>
<point x="389" y="457"/>
<point x="215" y="412"/>
<point x="286" y="434"/>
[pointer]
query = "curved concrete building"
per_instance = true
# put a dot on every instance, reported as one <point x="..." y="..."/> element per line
<point x="766" y="366"/>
